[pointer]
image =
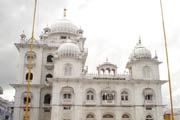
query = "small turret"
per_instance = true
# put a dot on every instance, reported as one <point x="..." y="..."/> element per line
<point x="22" y="37"/>
<point x="107" y="68"/>
<point x="47" y="29"/>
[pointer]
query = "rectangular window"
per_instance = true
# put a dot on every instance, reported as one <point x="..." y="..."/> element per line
<point x="47" y="110"/>
<point x="63" y="37"/>
<point x="126" y="98"/>
<point x="87" y="97"/>
<point x="67" y="107"/>
<point x="148" y="97"/>
<point x="148" y="108"/>
<point x="92" y="97"/>
<point x="122" y="98"/>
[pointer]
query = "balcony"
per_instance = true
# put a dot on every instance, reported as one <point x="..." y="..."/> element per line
<point x="67" y="101"/>
<point x="49" y="65"/>
<point x="27" y="63"/>
<point x="125" y="103"/>
<point x="108" y="102"/>
<point x="90" y="102"/>
<point x="149" y="103"/>
<point x="46" y="105"/>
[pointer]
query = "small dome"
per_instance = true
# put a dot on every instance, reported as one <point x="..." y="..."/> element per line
<point x="69" y="49"/>
<point x="64" y="26"/>
<point x="140" y="52"/>
<point x="46" y="29"/>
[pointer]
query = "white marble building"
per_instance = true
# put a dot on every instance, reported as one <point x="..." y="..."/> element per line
<point x="62" y="88"/>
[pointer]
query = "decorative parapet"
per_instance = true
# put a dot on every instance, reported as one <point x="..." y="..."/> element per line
<point x="108" y="76"/>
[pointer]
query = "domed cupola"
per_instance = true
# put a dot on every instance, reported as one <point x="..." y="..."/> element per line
<point x="64" y="26"/>
<point x="140" y="52"/>
<point x="68" y="49"/>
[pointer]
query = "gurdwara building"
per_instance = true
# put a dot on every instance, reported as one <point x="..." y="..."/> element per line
<point x="62" y="89"/>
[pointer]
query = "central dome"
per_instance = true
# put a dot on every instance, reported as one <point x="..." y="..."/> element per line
<point x="64" y="26"/>
<point x="69" y="49"/>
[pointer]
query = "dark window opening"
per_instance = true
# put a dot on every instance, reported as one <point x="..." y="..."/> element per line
<point x="49" y="58"/>
<point x="67" y="107"/>
<point x="63" y="37"/>
<point x="148" y="108"/>
<point x="148" y="97"/>
<point x="47" y="110"/>
<point x="6" y="117"/>
<point x="25" y="99"/>
<point x="47" y="99"/>
<point x="90" y="116"/>
<point x="67" y="96"/>
<point x="48" y="76"/>
<point x="108" y="96"/>
<point x="31" y="76"/>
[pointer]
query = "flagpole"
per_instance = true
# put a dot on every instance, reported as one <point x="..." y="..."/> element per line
<point x="26" y="114"/>
<point x="167" y="61"/>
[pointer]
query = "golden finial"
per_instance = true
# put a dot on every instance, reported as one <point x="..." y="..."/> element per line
<point x="65" y="12"/>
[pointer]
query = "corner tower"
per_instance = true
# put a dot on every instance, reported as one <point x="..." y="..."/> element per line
<point x="141" y="65"/>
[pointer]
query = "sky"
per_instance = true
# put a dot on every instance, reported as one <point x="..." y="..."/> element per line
<point x="112" y="29"/>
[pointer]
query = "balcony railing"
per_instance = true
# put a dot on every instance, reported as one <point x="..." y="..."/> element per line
<point x="149" y="102"/>
<point x="49" y="65"/>
<point x="67" y="101"/>
<point x="32" y="64"/>
<point x="108" y="102"/>
<point x="125" y="103"/>
<point x="90" y="102"/>
<point x="108" y="76"/>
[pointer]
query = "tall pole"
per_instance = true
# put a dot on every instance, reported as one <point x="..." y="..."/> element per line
<point x="30" y="65"/>
<point x="167" y="61"/>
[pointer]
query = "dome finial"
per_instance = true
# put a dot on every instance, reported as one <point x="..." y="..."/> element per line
<point x="156" y="57"/>
<point x="139" y="39"/>
<point x="65" y="12"/>
<point x="23" y="36"/>
<point x="107" y="59"/>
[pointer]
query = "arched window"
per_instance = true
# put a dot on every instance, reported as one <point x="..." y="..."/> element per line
<point x="90" y="116"/>
<point x="48" y="76"/>
<point x="67" y="95"/>
<point x="68" y="70"/>
<point x="149" y="117"/>
<point x="25" y="98"/>
<point x="31" y="76"/>
<point x="47" y="99"/>
<point x="147" y="72"/>
<point x="108" y="116"/>
<point x="49" y="58"/>
<point x="108" y="71"/>
<point x="124" y="96"/>
<point x="125" y="116"/>
<point x="28" y="55"/>
<point x="148" y="94"/>
<point x="90" y="95"/>
<point x="26" y="118"/>
<point x="108" y="95"/>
